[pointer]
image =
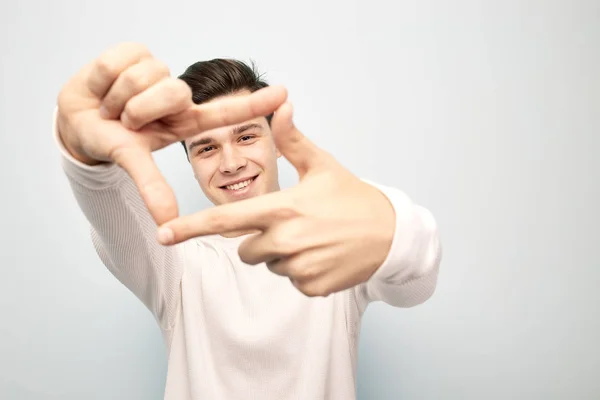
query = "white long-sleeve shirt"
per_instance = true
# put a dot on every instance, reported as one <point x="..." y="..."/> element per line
<point x="235" y="331"/>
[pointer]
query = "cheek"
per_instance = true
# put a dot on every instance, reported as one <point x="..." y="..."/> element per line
<point x="264" y="155"/>
<point x="203" y="172"/>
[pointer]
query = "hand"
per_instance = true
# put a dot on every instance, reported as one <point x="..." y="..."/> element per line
<point x="328" y="233"/>
<point x="124" y="105"/>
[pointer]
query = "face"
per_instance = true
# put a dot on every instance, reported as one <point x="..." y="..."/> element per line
<point x="235" y="162"/>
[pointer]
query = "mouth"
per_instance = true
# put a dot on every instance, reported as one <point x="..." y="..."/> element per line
<point x="241" y="187"/>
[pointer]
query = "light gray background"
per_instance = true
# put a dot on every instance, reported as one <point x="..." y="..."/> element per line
<point x="487" y="113"/>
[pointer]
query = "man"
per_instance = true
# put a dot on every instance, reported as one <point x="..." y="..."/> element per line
<point x="260" y="297"/>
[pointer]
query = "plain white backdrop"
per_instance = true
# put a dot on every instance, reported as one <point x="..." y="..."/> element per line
<point x="487" y="113"/>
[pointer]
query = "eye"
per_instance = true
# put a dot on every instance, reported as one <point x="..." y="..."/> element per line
<point x="245" y="138"/>
<point x="206" y="149"/>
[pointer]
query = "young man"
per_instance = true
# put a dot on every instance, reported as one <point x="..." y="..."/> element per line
<point x="260" y="297"/>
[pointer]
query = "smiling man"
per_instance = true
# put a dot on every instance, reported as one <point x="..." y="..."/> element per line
<point x="235" y="163"/>
<point x="231" y="162"/>
<point x="214" y="173"/>
<point x="260" y="297"/>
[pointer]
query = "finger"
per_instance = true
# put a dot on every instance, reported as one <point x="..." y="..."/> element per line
<point x="325" y="277"/>
<point x="304" y="266"/>
<point x="308" y="272"/>
<point x="256" y="214"/>
<point x="316" y="288"/>
<point x="168" y="97"/>
<point x="106" y="68"/>
<point x="152" y="186"/>
<point x="258" y="248"/>
<point x="133" y="81"/>
<point x="302" y="153"/>
<point x="230" y="110"/>
<point x="279" y="241"/>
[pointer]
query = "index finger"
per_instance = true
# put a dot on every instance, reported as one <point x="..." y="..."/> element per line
<point x="257" y="213"/>
<point x="228" y="111"/>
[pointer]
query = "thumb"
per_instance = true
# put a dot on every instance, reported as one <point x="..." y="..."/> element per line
<point x="295" y="147"/>
<point x="152" y="186"/>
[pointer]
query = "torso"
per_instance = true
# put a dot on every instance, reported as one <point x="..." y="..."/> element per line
<point x="246" y="333"/>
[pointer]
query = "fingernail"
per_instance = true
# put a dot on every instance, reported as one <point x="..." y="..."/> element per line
<point x="125" y="121"/>
<point x="104" y="112"/>
<point x="165" y="235"/>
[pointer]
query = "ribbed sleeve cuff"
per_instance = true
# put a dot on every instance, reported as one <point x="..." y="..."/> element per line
<point x="412" y="244"/>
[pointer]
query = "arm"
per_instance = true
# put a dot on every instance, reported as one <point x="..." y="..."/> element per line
<point x="124" y="233"/>
<point x="408" y="276"/>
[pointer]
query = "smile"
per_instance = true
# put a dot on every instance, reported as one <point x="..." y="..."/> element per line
<point x="238" y="186"/>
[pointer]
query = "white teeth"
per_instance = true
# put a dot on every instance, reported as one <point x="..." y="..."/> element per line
<point x="238" y="186"/>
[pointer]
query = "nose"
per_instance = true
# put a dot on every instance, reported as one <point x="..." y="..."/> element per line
<point x="231" y="161"/>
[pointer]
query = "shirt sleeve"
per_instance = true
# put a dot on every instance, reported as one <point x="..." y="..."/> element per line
<point x="408" y="275"/>
<point x="124" y="233"/>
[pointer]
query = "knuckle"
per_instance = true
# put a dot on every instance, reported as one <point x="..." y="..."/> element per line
<point x="285" y="212"/>
<point x="134" y="80"/>
<point x="312" y="289"/>
<point x="245" y="256"/>
<point x="160" y="67"/>
<point x="283" y="243"/>
<point x="294" y="269"/>
<point x="132" y="113"/>
<point x="304" y="272"/>
<point x="132" y="48"/>
<point x="145" y="74"/>
<point x="106" y="68"/>
<point x="107" y="64"/>
<point x="171" y="91"/>
<point x="120" y="155"/>
<point x="181" y="90"/>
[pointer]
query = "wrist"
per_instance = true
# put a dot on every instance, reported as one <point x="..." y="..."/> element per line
<point x="69" y="146"/>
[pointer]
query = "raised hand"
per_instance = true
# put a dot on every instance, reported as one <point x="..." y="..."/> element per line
<point x="328" y="233"/>
<point x="124" y="105"/>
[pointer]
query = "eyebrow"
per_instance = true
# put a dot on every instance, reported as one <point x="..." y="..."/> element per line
<point x="234" y="132"/>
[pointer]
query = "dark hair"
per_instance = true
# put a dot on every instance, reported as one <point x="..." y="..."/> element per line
<point x="220" y="77"/>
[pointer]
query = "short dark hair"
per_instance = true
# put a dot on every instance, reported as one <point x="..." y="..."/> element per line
<point x="220" y="77"/>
